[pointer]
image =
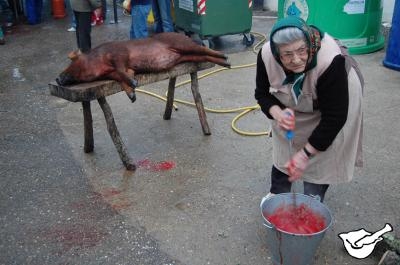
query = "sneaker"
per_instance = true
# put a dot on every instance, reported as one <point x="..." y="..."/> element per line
<point x="269" y="195"/>
<point x="71" y="29"/>
<point x="2" y="41"/>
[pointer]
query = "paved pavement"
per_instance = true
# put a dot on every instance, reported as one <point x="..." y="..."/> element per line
<point x="194" y="199"/>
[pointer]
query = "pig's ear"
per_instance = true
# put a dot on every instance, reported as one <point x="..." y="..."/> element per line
<point x="74" y="54"/>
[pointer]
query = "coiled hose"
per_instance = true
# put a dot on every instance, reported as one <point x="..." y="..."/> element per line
<point x="243" y="110"/>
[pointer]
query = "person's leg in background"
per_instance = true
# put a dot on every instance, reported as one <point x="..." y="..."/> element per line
<point x="315" y="190"/>
<point x="6" y="13"/>
<point x="2" y="41"/>
<point x="162" y="16"/>
<point x="157" y="17"/>
<point x="104" y="10"/>
<point x="139" y="14"/>
<point x="83" y="30"/>
<point x="71" y="13"/>
<point x="6" y="19"/>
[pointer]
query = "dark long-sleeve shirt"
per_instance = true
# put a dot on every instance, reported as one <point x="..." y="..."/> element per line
<point x="332" y="100"/>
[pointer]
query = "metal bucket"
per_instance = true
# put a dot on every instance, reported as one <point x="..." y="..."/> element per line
<point x="288" y="248"/>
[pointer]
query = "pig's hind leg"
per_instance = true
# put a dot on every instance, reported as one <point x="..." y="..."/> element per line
<point x="192" y="48"/>
<point x="205" y="58"/>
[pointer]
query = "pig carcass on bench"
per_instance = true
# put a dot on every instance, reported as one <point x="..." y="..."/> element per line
<point x="99" y="90"/>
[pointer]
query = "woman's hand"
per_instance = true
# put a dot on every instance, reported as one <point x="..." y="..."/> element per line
<point x="297" y="165"/>
<point x="285" y="118"/>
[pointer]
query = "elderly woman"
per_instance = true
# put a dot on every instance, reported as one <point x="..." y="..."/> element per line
<point x="308" y="85"/>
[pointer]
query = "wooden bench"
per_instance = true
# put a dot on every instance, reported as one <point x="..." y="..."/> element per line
<point x="99" y="90"/>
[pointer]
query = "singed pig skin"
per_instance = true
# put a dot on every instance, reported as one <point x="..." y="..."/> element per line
<point x="121" y="60"/>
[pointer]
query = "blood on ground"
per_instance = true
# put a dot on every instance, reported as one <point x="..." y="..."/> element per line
<point x="156" y="166"/>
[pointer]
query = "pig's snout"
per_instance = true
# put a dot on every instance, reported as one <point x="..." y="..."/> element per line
<point x="65" y="79"/>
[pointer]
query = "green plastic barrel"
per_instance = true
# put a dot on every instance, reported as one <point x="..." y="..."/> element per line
<point x="212" y="18"/>
<point x="356" y="23"/>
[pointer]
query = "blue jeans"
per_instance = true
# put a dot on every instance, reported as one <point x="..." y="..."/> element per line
<point x="104" y="9"/>
<point x="162" y="16"/>
<point x="139" y="15"/>
<point x="69" y="8"/>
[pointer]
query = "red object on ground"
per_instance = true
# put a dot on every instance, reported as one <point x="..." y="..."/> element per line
<point x="156" y="166"/>
<point x="297" y="219"/>
<point x="58" y="8"/>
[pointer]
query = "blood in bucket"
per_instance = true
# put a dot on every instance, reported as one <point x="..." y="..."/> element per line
<point x="296" y="219"/>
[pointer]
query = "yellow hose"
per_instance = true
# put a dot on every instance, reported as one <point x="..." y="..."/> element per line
<point x="243" y="110"/>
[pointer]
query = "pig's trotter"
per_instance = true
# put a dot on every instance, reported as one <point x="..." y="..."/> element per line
<point x="132" y="96"/>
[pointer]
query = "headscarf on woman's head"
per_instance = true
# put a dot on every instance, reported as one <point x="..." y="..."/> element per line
<point x="313" y="38"/>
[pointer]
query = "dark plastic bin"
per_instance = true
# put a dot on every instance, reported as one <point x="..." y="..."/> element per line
<point x="213" y="18"/>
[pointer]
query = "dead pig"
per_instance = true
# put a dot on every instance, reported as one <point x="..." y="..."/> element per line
<point x="121" y="60"/>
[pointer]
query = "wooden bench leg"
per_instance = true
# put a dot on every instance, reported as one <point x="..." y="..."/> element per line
<point x="88" y="127"/>
<point x="199" y="103"/>
<point x="170" y="98"/>
<point x="116" y="138"/>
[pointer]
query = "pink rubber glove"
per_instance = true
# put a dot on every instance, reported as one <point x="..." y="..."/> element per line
<point x="286" y="119"/>
<point x="297" y="165"/>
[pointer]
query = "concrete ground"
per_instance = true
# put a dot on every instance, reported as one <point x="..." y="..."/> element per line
<point x="194" y="199"/>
